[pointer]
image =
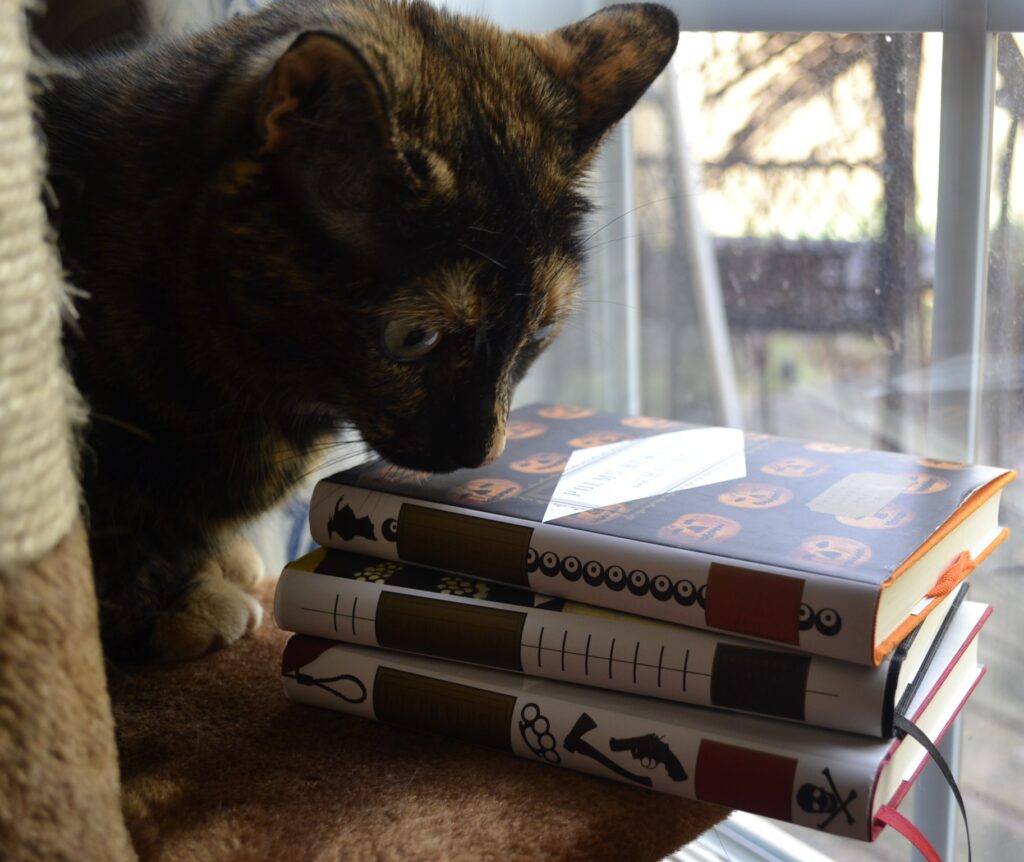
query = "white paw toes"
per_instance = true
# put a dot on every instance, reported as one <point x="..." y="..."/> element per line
<point x="217" y="613"/>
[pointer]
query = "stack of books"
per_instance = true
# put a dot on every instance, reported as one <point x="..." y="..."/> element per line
<point x="775" y="625"/>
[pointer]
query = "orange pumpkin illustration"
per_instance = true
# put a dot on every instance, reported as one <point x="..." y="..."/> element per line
<point x="939" y="464"/>
<point x="751" y="495"/>
<point x="647" y="422"/>
<point x="563" y="411"/>
<point x="598" y="438"/>
<point x="923" y="483"/>
<point x="485" y="490"/>
<point x="602" y="515"/>
<point x="699" y="527"/>
<point x="837" y="552"/>
<point x="524" y="430"/>
<point x="541" y="462"/>
<point x="795" y="467"/>
<point x="887" y="518"/>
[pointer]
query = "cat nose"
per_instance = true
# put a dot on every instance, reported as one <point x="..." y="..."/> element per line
<point x="481" y="454"/>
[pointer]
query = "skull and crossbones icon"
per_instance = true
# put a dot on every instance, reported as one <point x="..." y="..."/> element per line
<point x="822" y="800"/>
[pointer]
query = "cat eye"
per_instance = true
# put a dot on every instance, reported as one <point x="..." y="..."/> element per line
<point x="407" y="342"/>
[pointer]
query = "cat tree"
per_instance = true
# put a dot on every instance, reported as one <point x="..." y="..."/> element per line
<point x="206" y="760"/>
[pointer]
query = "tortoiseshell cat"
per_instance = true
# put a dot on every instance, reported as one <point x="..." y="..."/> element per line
<point x="332" y="212"/>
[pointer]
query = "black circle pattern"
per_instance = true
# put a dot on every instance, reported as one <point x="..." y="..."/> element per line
<point x="827" y="621"/>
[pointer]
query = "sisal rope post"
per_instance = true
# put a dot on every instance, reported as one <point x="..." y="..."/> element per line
<point x="39" y="407"/>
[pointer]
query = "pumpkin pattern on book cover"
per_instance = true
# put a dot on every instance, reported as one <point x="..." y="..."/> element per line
<point x="788" y="540"/>
<point x="767" y="516"/>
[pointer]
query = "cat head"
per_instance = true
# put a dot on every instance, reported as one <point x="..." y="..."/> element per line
<point x="430" y="167"/>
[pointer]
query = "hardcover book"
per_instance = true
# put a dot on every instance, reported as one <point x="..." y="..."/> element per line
<point x="377" y="603"/>
<point x="841" y="783"/>
<point x="835" y="551"/>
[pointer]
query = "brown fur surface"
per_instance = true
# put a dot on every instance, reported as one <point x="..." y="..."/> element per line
<point x="58" y="766"/>
<point x="217" y="765"/>
<point x="269" y="219"/>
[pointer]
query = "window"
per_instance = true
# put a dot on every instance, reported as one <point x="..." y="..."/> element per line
<point x="814" y="229"/>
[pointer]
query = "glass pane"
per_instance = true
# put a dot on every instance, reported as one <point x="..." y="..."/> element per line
<point x="813" y="164"/>
<point x="815" y="171"/>
<point x="993" y="746"/>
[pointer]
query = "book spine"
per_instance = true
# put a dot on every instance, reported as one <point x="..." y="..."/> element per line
<point x="579" y="644"/>
<point x="576" y="728"/>
<point x="819" y="614"/>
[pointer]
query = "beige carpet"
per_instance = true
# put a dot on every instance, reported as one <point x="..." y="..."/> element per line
<point x="217" y="765"/>
<point x="58" y="766"/>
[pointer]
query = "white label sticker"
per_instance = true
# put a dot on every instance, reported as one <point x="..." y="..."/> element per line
<point x="648" y="467"/>
<point x="859" y="495"/>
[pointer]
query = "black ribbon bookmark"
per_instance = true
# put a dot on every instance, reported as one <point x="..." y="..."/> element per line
<point x="915" y="684"/>
<point x="905" y="727"/>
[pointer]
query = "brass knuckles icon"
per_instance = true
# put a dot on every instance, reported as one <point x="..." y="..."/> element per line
<point x="616" y="578"/>
<point x="536" y="732"/>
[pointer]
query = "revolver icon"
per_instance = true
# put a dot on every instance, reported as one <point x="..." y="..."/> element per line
<point x="651" y="751"/>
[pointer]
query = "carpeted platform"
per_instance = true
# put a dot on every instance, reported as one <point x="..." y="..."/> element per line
<point x="217" y="765"/>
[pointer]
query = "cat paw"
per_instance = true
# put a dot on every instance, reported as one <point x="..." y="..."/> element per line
<point x="240" y="562"/>
<point x="217" y="612"/>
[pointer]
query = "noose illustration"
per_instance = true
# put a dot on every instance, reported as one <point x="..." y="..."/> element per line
<point x="323" y="682"/>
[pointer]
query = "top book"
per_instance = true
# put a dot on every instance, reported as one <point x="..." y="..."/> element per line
<point x="833" y="550"/>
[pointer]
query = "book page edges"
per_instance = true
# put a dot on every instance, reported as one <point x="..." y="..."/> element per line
<point x="963" y="512"/>
<point x="904" y="788"/>
<point x="967" y="643"/>
<point x="883" y="649"/>
<point x="913" y="657"/>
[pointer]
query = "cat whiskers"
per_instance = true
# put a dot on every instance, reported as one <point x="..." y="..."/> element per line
<point x="124" y="426"/>
<point x="482" y="254"/>
<point x="340" y="436"/>
<point x="396" y="473"/>
<point x="669" y="233"/>
<point x="343" y="461"/>
<point x="586" y="240"/>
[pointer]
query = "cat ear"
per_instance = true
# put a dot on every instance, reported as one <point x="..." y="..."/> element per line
<point x="608" y="60"/>
<point x="321" y="71"/>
